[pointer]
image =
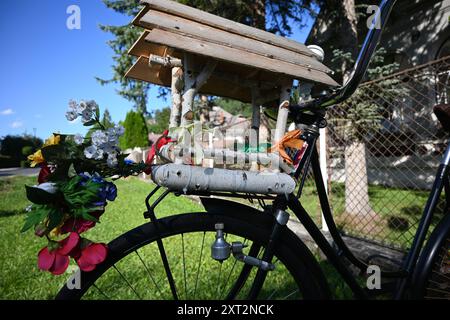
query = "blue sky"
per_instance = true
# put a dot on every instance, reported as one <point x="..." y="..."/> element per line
<point x="44" y="64"/>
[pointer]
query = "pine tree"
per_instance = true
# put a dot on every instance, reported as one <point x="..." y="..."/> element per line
<point x="124" y="37"/>
<point x="161" y="119"/>
<point x="136" y="132"/>
<point x="358" y="118"/>
<point x="106" y="120"/>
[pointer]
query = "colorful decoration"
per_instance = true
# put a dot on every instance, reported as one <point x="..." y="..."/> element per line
<point x="74" y="189"/>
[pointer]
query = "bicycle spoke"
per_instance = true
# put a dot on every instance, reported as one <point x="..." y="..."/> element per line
<point x="184" y="267"/>
<point x="439" y="284"/>
<point x="245" y="272"/>
<point x="272" y="294"/>
<point x="166" y="265"/>
<point x="291" y="294"/>
<point x="440" y="274"/>
<point x="128" y="283"/>
<point x="218" y="278"/>
<point x="436" y="298"/>
<point x="101" y="291"/>
<point x="150" y="275"/>
<point x="438" y="290"/>
<point x="229" y="276"/>
<point x="207" y="278"/>
<point x="199" y="264"/>
<point x="231" y="272"/>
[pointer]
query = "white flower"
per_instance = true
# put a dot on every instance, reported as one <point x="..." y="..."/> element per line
<point x="113" y="153"/>
<point x="71" y="115"/>
<point x="29" y="208"/>
<point x="50" y="187"/>
<point x="108" y="148"/>
<point x="111" y="131"/>
<point x="99" y="137"/>
<point x="82" y="106"/>
<point x="112" y="161"/>
<point x="86" y="115"/>
<point x="52" y="167"/>
<point x="90" y="152"/>
<point x="73" y="106"/>
<point x="119" y="130"/>
<point x="113" y="140"/>
<point x="92" y="105"/>
<point x="78" y="139"/>
<point x="87" y="174"/>
<point x="99" y="154"/>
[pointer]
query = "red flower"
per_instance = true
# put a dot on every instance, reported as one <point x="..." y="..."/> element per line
<point x="90" y="256"/>
<point x="44" y="173"/>
<point x="86" y="253"/>
<point x="163" y="140"/>
<point x="80" y="225"/>
<point x="57" y="260"/>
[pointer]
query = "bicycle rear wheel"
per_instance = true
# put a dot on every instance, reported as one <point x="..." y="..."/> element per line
<point x="133" y="269"/>
<point x="432" y="279"/>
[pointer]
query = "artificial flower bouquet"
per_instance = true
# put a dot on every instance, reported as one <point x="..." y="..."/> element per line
<point x="73" y="190"/>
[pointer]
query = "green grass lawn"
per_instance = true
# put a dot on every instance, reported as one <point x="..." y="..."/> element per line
<point x="19" y="275"/>
<point x="21" y="279"/>
<point x="386" y="202"/>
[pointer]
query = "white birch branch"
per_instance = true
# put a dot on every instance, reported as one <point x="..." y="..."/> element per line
<point x="177" y="89"/>
<point x="168" y="61"/>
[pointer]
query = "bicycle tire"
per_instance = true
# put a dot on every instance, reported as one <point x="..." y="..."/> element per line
<point x="257" y="227"/>
<point x="432" y="275"/>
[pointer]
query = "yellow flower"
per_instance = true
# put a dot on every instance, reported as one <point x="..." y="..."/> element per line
<point x="52" y="140"/>
<point x="55" y="232"/>
<point x="36" y="158"/>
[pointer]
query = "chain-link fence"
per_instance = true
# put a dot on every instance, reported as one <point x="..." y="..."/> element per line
<point x="383" y="150"/>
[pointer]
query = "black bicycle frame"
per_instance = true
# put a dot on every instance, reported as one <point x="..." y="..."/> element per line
<point x="442" y="177"/>
<point x="335" y="256"/>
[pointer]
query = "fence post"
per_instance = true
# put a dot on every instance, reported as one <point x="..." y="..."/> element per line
<point x="323" y="166"/>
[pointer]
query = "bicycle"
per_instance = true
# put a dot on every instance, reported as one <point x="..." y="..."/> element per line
<point x="273" y="247"/>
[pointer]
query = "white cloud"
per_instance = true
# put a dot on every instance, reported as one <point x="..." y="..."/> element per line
<point x="16" y="124"/>
<point x="7" y="112"/>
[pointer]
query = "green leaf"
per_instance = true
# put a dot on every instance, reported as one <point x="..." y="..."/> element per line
<point x="55" y="217"/>
<point x="72" y="172"/>
<point x="97" y="112"/>
<point x="89" y="123"/>
<point x="34" y="217"/>
<point x="53" y="153"/>
<point x="39" y="196"/>
<point x="84" y="213"/>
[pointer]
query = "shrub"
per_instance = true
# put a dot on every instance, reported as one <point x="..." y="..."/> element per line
<point x="136" y="132"/>
<point x="161" y="121"/>
<point x="24" y="163"/>
<point x="8" y="162"/>
<point x="12" y="149"/>
<point x="27" y="150"/>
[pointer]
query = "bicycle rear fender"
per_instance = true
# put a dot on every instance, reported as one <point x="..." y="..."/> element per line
<point x="216" y="205"/>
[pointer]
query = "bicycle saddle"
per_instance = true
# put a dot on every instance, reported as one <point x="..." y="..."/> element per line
<point x="442" y="112"/>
